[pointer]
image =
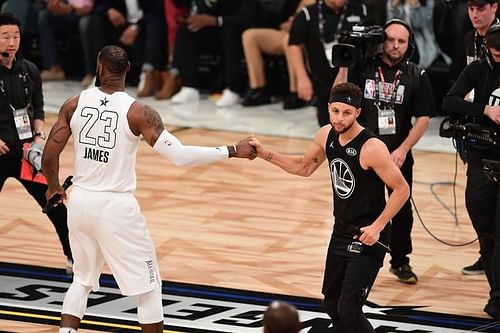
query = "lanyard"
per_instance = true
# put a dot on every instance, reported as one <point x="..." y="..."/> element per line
<point x="321" y="22"/>
<point x="481" y="53"/>
<point x="379" y="77"/>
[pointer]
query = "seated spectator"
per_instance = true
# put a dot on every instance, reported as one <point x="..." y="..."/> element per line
<point x="25" y="10"/>
<point x="281" y="317"/>
<point x="62" y="18"/>
<point x="169" y="82"/>
<point x="272" y="41"/>
<point x="138" y="26"/>
<point x="215" y="25"/>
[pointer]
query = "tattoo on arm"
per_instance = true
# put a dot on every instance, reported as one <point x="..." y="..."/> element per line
<point x="57" y="129"/>
<point x="153" y="120"/>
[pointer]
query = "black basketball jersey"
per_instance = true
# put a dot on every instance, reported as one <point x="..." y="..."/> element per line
<point x="358" y="194"/>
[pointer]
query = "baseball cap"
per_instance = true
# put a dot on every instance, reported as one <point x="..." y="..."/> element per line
<point x="481" y="3"/>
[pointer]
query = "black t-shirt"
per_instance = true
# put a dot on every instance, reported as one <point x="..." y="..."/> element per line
<point x="358" y="194"/>
<point x="414" y="96"/>
<point x="305" y="31"/>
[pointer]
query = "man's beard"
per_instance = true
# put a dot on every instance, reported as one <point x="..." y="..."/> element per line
<point x="345" y="129"/>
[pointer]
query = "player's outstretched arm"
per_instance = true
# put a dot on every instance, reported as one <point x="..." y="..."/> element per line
<point x="298" y="165"/>
<point x="145" y="120"/>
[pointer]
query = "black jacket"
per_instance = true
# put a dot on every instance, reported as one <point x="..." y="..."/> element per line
<point x="19" y="86"/>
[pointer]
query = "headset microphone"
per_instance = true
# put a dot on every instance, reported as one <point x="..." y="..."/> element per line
<point x="4" y="54"/>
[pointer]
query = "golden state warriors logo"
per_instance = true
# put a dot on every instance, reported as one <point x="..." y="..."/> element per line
<point x="343" y="179"/>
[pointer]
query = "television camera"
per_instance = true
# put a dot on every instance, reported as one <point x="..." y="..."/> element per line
<point x="357" y="45"/>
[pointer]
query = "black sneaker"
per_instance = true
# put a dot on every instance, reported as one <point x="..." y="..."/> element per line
<point x="256" y="97"/>
<point x="292" y="101"/>
<point x="404" y="274"/>
<point x="493" y="309"/>
<point x="474" y="269"/>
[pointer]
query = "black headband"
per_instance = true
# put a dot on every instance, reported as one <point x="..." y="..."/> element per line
<point x="345" y="98"/>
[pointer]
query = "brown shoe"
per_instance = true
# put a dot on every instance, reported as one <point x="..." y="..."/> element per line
<point x="147" y="84"/>
<point x="170" y="85"/>
<point x="53" y="74"/>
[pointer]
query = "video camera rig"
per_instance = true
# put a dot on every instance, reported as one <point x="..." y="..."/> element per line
<point x="477" y="135"/>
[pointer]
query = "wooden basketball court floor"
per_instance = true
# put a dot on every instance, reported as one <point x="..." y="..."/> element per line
<point x="248" y="225"/>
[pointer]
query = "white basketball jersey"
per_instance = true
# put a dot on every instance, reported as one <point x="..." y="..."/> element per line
<point x="104" y="146"/>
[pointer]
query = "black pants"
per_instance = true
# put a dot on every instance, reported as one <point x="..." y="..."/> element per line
<point x="189" y="45"/>
<point x="402" y="222"/>
<point x="482" y="199"/>
<point x="58" y="215"/>
<point x="322" y="97"/>
<point x="149" y="47"/>
<point x="346" y="284"/>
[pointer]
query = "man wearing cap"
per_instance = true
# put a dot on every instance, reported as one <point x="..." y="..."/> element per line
<point x="360" y="167"/>
<point x="482" y="194"/>
<point x="482" y="14"/>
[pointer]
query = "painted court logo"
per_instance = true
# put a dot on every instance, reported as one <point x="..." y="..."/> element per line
<point x="35" y="295"/>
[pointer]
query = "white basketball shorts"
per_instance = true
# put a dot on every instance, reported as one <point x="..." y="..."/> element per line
<point x="108" y="227"/>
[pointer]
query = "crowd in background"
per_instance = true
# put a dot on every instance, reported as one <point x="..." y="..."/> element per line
<point x="244" y="44"/>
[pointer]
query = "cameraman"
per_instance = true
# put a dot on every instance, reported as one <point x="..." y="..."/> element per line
<point x="22" y="120"/>
<point x="482" y="14"/>
<point x="395" y="91"/>
<point x="314" y="31"/>
<point x="481" y="194"/>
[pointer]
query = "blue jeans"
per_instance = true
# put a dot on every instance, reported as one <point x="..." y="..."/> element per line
<point x="52" y="26"/>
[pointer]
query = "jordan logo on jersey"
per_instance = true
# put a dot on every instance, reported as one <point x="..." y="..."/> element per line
<point x="96" y="155"/>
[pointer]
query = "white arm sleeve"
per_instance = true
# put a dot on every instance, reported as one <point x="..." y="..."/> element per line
<point x="170" y="147"/>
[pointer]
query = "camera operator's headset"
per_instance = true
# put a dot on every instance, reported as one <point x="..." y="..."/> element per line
<point x="493" y="29"/>
<point x="411" y="40"/>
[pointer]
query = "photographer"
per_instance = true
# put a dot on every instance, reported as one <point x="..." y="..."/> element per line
<point x="481" y="193"/>
<point x="482" y="14"/>
<point x="395" y="91"/>
<point x="314" y="31"/>
<point x="22" y="120"/>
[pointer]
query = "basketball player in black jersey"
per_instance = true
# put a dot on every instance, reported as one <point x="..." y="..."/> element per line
<point x="360" y="166"/>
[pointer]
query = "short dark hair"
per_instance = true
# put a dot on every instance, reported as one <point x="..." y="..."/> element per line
<point x="347" y="88"/>
<point x="9" y="19"/>
<point x="281" y="317"/>
<point x="114" y="58"/>
<point x="493" y="37"/>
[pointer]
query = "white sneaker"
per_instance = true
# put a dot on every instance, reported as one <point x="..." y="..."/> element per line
<point x="228" y="98"/>
<point x="186" y="95"/>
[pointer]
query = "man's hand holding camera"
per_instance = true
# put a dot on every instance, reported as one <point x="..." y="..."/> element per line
<point x="493" y="112"/>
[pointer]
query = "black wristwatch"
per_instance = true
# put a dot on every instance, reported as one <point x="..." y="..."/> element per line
<point x="40" y="134"/>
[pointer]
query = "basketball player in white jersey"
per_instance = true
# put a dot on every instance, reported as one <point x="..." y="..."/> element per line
<point x="104" y="218"/>
<point x="360" y="166"/>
